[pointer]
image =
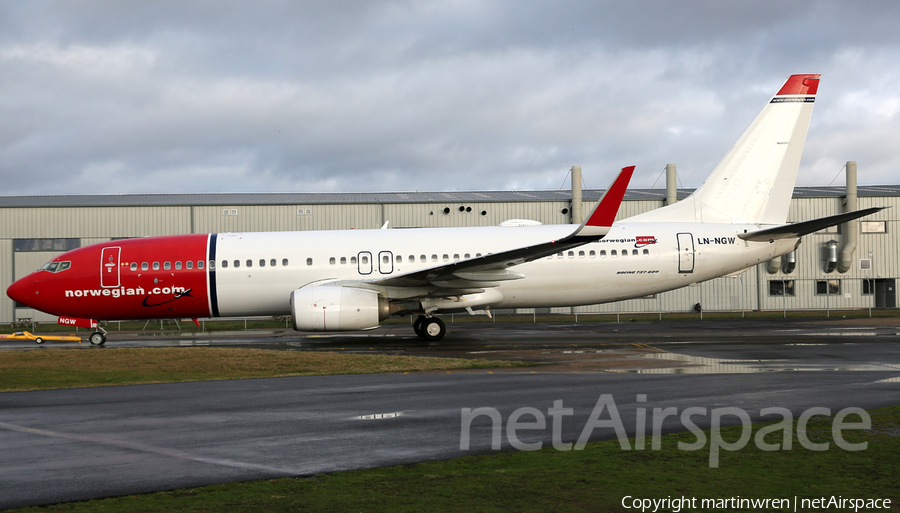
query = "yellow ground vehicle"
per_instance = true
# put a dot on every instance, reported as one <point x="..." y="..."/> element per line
<point x="39" y="339"/>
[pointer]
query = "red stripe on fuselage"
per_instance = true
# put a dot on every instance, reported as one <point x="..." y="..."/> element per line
<point x="140" y="294"/>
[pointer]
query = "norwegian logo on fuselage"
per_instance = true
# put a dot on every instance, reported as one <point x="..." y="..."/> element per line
<point x="641" y="241"/>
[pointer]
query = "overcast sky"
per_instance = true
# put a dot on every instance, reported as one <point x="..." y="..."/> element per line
<point x="327" y="96"/>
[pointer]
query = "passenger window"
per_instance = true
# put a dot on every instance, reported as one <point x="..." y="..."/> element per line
<point x="399" y="259"/>
<point x="385" y="259"/>
<point x="167" y="265"/>
<point x="178" y="265"/>
<point x="571" y="254"/>
<point x="456" y="256"/>
<point x="466" y="256"/>
<point x="237" y="263"/>
<point x="249" y="263"/>
<point x="224" y="264"/>
<point x="284" y="262"/>
<point x="602" y="253"/>
<point x="434" y="258"/>
<point x="155" y="266"/>
<point x="592" y="254"/>
<point x="134" y="266"/>
<point x="646" y="252"/>
<point x="477" y="255"/>
<point x="190" y="264"/>
<point x="343" y="260"/>
<point x="581" y="254"/>
<point x="262" y="262"/>
<point x="331" y="261"/>
<point x="272" y="262"/>
<point x="212" y="264"/>
<point x="559" y="255"/>
<point x="353" y="260"/>
<point x="446" y="257"/>
<point x="612" y="253"/>
<point x="422" y="259"/>
<point x="144" y="266"/>
<point x="365" y="259"/>
<point x="309" y="261"/>
<point x="412" y="259"/>
<point x="634" y="252"/>
<point x="624" y="253"/>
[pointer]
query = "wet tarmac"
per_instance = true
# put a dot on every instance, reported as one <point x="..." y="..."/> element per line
<point x="76" y="444"/>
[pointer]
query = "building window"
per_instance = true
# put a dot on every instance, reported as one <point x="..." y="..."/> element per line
<point x="229" y="212"/>
<point x="868" y="286"/>
<point x="828" y="287"/>
<point x="873" y="226"/>
<point x="21" y="245"/>
<point x="781" y="287"/>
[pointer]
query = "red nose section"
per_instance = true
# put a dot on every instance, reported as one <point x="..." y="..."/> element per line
<point x="25" y="292"/>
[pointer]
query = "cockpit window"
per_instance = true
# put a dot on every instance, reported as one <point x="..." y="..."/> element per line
<point x="56" y="267"/>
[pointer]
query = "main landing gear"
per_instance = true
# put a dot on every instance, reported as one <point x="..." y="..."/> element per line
<point x="430" y="328"/>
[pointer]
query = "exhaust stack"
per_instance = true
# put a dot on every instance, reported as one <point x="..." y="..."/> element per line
<point x="851" y="229"/>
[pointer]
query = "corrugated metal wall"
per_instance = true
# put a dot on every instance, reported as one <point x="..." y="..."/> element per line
<point x="748" y="291"/>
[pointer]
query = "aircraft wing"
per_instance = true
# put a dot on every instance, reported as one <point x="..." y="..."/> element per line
<point x="489" y="270"/>
<point x="795" y="230"/>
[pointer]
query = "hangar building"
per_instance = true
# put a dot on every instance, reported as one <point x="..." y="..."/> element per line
<point x="36" y="229"/>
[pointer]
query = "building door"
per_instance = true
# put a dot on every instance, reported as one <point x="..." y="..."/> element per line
<point x="385" y="262"/>
<point x="685" y="253"/>
<point x="885" y="294"/>
<point x="365" y="262"/>
<point x="109" y="267"/>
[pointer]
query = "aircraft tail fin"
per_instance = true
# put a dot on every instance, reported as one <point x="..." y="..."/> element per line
<point x="754" y="183"/>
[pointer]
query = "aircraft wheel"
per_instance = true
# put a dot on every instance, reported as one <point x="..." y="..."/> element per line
<point x="39" y="340"/>
<point x="98" y="338"/>
<point x="433" y="329"/>
<point x="417" y="326"/>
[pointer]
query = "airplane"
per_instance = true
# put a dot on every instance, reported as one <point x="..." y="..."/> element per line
<point x="347" y="280"/>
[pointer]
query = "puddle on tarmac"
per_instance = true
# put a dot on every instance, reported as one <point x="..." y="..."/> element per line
<point x="684" y="364"/>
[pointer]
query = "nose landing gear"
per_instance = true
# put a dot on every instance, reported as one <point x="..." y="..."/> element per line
<point x="98" y="338"/>
<point x="430" y="328"/>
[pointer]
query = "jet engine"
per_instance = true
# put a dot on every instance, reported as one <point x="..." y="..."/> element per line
<point x="335" y="308"/>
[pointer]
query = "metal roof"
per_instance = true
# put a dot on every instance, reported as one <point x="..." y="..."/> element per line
<point x="327" y="198"/>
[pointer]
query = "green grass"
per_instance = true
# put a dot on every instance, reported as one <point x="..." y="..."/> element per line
<point x="594" y="479"/>
<point x="70" y="367"/>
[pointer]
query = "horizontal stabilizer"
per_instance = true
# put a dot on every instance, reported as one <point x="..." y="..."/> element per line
<point x="806" y="227"/>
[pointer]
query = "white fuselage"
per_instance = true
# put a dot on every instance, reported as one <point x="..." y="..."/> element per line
<point x="632" y="260"/>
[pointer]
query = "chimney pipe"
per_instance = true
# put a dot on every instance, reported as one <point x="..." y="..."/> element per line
<point x="576" y="195"/>
<point x="851" y="228"/>
<point x="671" y="191"/>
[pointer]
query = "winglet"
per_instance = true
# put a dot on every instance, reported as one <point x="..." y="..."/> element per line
<point x="604" y="213"/>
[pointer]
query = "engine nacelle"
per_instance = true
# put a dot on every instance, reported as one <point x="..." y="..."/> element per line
<point x="335" y="308"/>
